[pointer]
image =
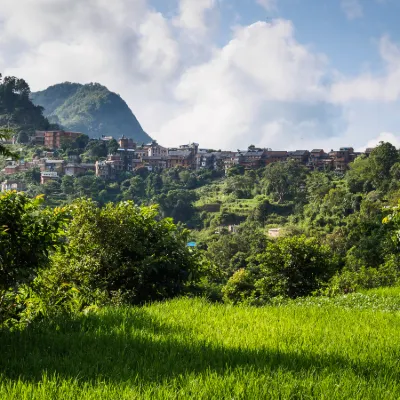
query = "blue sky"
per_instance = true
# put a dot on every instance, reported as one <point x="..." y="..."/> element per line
<point x="226" y="73"/>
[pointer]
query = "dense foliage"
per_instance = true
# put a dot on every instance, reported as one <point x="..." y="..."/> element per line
<point x="17" y="112"/>
<point x="91" y="109"/>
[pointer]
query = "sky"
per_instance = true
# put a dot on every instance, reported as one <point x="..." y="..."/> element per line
<point x="283" y="74"/>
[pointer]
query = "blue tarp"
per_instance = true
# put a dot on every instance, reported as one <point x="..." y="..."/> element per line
<point x="191" y="244"/>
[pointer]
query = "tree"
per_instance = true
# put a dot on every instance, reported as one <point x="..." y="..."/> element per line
<point x="382" y="159"/>
<point x="124" y="250"/>
<point x="28" y="234"/>
<point x="112" y="146"/>
<point x="5" y="134"/>
<point x="177" y="204"/>
<point x="289" y="267"/>
<point x="285" y="180"/>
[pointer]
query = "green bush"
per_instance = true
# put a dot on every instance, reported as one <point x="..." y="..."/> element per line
<point x="28" y="233"/>
<point x="289" y="267"/>
<point x="123" y="251"/>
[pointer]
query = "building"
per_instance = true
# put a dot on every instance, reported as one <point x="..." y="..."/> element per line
<point x="301" y="156"/>
<point x="12" y="185"/>
<point x="342" y="158"/>
<point x="75" y="169"/>
<point x="126" y="143"/>
<point x="252" y="158"/>
<point x="155" y="150"/>
<point x="54" y="139"/>
<point x="275" y="156"/>
<point x="154" y="162"/>
<point x="47" y="176"/>
<point x="50" y="165"/>
<point x="204" y="160"/>
<point x="39" y="138"/>
<point x="109" y="168"/>
<point x="317" y="160"/>
<point x="179" y="158"/>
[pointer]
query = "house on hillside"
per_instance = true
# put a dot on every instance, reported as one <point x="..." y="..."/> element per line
<point x="300" y="155"/>
<point x="12" y="185"/>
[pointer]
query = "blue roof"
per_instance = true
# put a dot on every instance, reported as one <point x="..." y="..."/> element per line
<point x="191" y="244"/>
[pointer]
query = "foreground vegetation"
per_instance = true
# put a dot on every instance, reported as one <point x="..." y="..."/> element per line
<point x="189" y="348"/>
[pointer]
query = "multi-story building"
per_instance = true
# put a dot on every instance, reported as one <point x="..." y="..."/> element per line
<point x="54" y="139"/>
<point x="252" y="158"/>
<point x="12" y="185"/>
<point x="300" y="156"/>
<point x="75" y="169"/>
<point x="179" y="158"/>
<point x="155" y="150"/>
<point x="275" y="156"/>
<point x="317" y="159"/>
<point x="47" y="176"/>
<point x="154" y="162"/>
<point x="126" y="143"/>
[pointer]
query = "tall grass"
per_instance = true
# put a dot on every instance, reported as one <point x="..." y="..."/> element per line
<point x="190" y="349"/>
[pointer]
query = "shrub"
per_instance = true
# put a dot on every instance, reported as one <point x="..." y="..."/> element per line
<point x="124" y="250"/>
<point x="289" y="267"/>
<point x="28" y="233"/>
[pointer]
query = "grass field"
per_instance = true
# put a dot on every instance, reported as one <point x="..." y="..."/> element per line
<point x="189" y="349"/>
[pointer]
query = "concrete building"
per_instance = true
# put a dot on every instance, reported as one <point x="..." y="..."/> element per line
<point x="47" y="176"/>
<point x="54" y="139"/>
<point x="12" y="185"/>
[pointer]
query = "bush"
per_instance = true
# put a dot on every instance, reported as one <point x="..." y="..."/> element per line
<point x="289" y="267"/>
<point x="28" y="233"/>
<point x="348" y="281"/>
<point x="125" y="251"/>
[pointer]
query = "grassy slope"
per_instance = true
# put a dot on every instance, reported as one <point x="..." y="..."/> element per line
<point x="191" y="349"/>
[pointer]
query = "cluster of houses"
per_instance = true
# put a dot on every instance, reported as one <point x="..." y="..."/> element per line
<point x="130" y="156"/>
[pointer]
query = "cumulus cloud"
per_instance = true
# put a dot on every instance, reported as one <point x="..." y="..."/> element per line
<point x="193" y="14"/>
<point x="382" y="137"/>
<point x="261" y="87"/>
<point x="371" y="87"/>
<point x="352" y="9"/>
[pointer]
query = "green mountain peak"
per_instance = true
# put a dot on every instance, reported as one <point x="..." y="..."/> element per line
<point x="91" y="109"/>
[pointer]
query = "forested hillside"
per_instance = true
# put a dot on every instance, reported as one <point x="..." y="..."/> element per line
<point x="91" y="109"/>
<point x="17" y="112"/>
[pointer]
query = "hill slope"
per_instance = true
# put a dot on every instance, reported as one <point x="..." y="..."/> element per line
<point x="91" y="109"/>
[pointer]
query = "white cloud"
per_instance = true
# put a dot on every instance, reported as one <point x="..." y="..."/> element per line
<point x="352" y="9"/>
<point x="371" y="87"/>
<point x="269" y="5"/>
<point x="382" y="137"/>
<point x="193" y="14"/>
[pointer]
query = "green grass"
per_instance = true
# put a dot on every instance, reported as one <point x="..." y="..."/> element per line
<point x="190" y="349"/>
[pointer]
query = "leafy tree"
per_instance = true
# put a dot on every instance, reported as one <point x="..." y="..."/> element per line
<point x="382" y="159"/>
<point x="360" y="176"/>
<point x="28" y="233"/>
<point x="124" y="250"/>
<point x="5" y="135"/>
<point x="177" y="204"/>
<point x="112" y="146"/>
<point x="285" y="180"/>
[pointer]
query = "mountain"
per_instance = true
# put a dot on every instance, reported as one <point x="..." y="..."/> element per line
<point x="91" y="109"/>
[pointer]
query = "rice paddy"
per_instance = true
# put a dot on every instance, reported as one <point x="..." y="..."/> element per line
<point x="191" y="349"/>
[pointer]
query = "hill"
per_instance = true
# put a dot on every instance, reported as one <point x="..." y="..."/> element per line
<point x="190" y="349"/>
<point x="17" y="111"/>
<point x="91" y="109"/>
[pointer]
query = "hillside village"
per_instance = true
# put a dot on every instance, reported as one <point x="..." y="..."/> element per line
<point x="130" y="156"/>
